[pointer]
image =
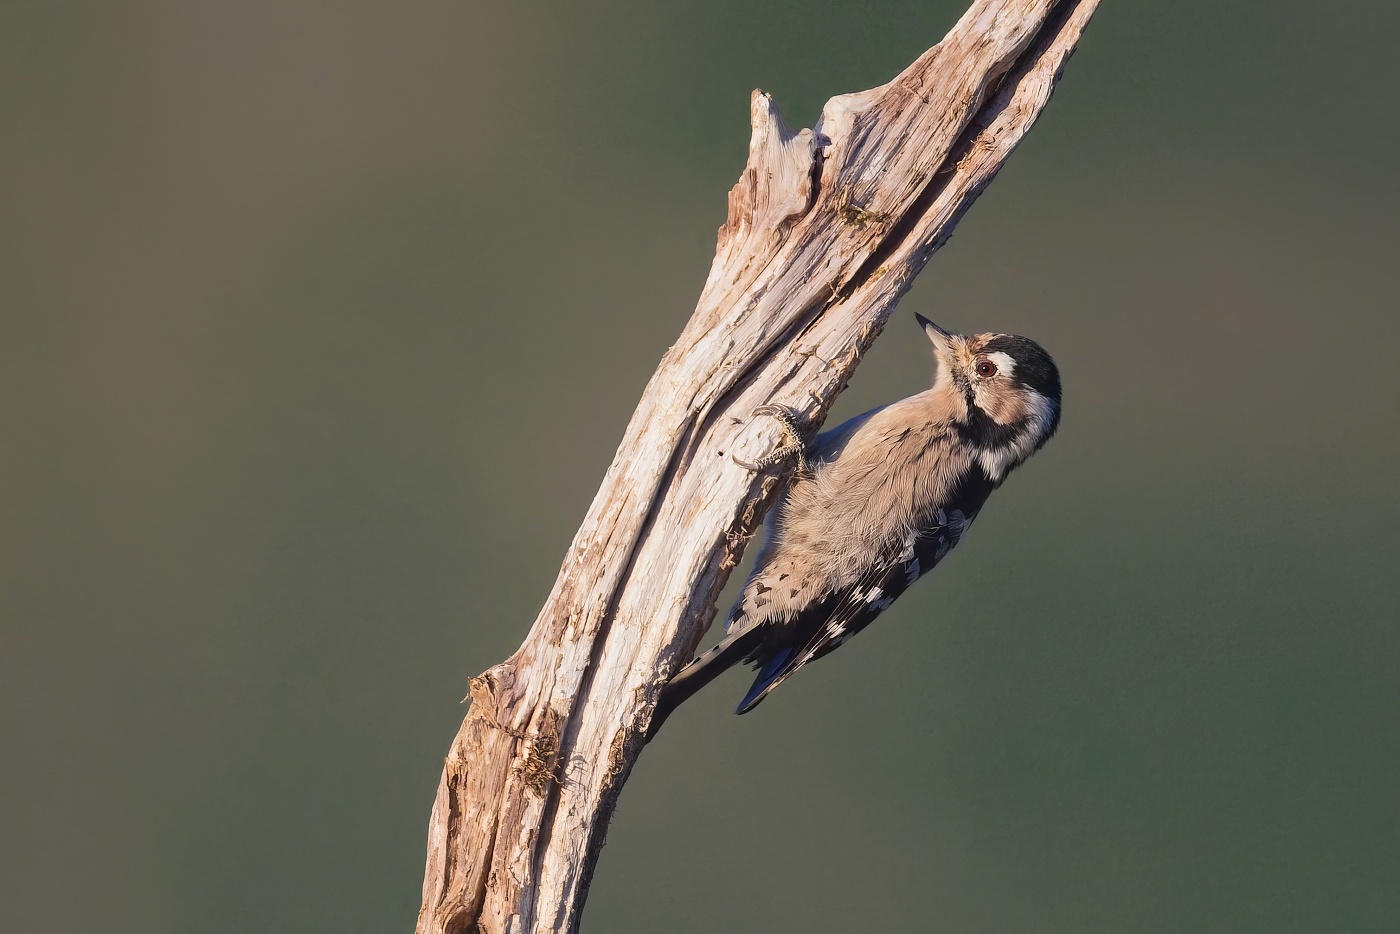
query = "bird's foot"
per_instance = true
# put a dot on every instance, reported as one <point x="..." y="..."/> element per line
<point x="792" y="447"/>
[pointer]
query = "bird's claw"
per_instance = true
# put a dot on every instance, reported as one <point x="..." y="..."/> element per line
<point x="784" y="416"/>
<point x="792" y="437"/>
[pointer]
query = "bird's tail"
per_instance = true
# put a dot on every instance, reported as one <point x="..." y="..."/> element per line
<point x="702" y="671"/>
<point x="772" y="674"/>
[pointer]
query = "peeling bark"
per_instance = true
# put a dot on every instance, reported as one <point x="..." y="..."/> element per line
<point x="826" y="230"/>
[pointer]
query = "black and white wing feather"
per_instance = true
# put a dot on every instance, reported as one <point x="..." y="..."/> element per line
<point x="827" y="624"/>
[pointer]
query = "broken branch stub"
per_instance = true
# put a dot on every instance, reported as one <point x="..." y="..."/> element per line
<point x="826" y="229"/>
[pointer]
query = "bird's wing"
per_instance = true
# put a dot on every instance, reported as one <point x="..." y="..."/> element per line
<point x="831" y="621"/>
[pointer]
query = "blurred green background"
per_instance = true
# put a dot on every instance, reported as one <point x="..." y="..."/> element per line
<point x="322" y="320"/>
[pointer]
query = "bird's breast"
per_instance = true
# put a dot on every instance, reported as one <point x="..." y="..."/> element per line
<point x="885" y="484"/>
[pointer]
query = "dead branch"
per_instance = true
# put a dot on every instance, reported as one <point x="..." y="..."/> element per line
<point x="826" y="230"/>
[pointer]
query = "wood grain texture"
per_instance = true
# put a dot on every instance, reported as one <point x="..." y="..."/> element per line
<point x="826" y="230"/>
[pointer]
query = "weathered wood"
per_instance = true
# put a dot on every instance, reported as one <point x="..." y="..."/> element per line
<point x="826" y="230"/>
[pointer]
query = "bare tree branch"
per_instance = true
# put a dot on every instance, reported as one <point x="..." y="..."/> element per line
<point x="826" y="230"/>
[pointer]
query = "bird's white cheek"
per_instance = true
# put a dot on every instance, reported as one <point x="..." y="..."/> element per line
<point x="995" y="461"/>
<point x="1042" y="409"/>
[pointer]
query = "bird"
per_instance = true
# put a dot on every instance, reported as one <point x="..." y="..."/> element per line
<point x="876" y="503"/>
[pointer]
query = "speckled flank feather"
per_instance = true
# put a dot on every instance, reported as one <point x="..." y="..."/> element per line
<point x="883" y="505"/>
<point x="887" y="496"/>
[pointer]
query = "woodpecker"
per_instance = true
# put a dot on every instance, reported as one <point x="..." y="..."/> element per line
<point x="875" y="504"/>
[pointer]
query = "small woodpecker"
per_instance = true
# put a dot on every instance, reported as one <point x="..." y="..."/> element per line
<point x="875" y="504"/>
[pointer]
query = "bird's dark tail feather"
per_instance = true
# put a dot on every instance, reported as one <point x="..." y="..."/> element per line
<point x="772" y="674"/>
<point x="702" y="671"/>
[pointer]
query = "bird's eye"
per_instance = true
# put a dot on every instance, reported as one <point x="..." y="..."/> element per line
<point x="986" y="369"/>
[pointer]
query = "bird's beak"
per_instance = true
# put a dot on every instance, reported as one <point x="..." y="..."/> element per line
<point x="942" y="341"/>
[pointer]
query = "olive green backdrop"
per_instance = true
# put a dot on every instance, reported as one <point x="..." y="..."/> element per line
<point x="320" y="324"/>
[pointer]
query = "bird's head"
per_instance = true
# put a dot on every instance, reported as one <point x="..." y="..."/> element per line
<point x="1004" y="389"/>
